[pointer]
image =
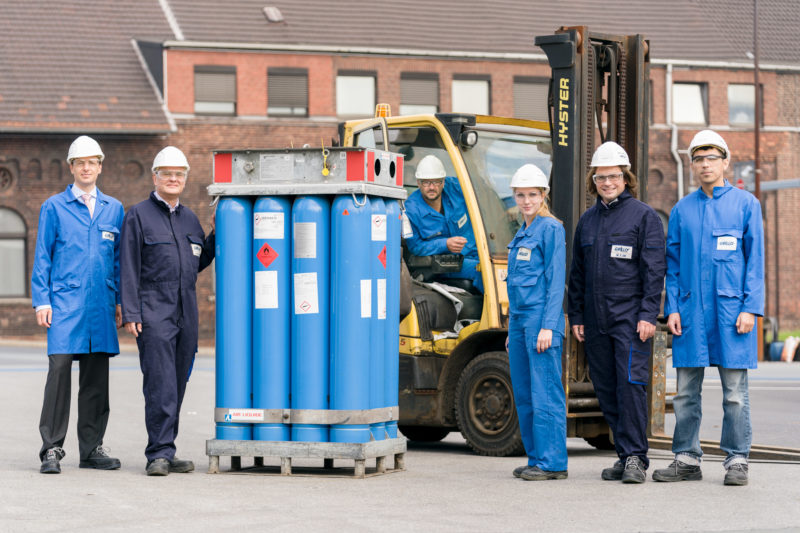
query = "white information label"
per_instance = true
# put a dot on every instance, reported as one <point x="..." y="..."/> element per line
<point x="524" y="254"/>
<point x="407" y="231"/>
<point x="244" y="415"/>
<point x="268" y="225"/>
<point x="462" y="220"/>
<point x="381" y="288"/>
<point x="107" y="235"/>
<point x="305" y="240"/>
<point x="366" y="298"/>
<point x="378" y="227"/>
<point x="621" y="252"/>
<point x="306" y="294"/>
<point x="266" y="289"/>
<point x="726" y="243"/>
<point x="197" y="249"/>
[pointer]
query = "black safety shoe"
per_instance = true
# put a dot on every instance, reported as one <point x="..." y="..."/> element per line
<point x="534" y="473"/>
<point x="634" y="470"/>
<point x="678" y="471"/>
<point x="614" y="473"/>
<point x="158" y="467"/>
<point x="180" y="466"/>
<point x="736" y="474"/>
<point x="50" y="462"/>
<point x="100" y="460"/>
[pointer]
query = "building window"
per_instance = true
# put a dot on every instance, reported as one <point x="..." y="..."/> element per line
<point x="471" y="94"/>
<point x="741" y="105"/>
<point x="287" y="92"/>
<point x="214" y="90"/>
<point x="13" y="238"/>
<point x="419" y="93"/>
<point x="690" y="103"/>
<point x="355" y="94"/>
<point x="530" y="98"/>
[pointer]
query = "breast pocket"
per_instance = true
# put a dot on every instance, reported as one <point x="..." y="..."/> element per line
<point x="109" y="237"/>
<point x="159" y="260"/>
<point x="727" y="244"/>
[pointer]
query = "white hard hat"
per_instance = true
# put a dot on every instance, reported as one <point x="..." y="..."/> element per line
<point x="711" y="139"/>
<point x="530" y="175"/>
<point x="84" y="146"/>
<point x="170" y="157"/>
<point x="430" y="168"/>
<point x="610" y="154"/>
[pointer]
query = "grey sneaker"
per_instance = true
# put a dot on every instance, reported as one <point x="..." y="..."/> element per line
<point x="100" y="460"/>
<point x="50" y="462"/>
<point x="736" y="474"/>
<point x="614" y="473"/>
<point x="634" y="470"/>
<point x="535" y="473"/>
<point x="678" y="471"/>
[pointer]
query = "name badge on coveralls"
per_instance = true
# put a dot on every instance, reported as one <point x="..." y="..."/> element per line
<point x="524" y="254"/>
<point x="107" y="235"/>
<point x="621" y="252"/>
<point x="197" y="250"/>
<point x="726" y="243"/>
<point x="462" y="220"/>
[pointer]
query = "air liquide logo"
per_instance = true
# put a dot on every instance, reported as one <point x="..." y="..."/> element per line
<point x="563" y="111"/>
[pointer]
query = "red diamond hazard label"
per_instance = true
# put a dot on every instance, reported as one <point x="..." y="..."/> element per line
<point x="382" y="257"/>
<point x="267" y="255"/>
<point x="305" y="306"/>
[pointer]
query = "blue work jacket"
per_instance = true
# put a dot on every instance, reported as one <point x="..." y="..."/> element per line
<point x="76" y="272"/>
<point x="162" y="253"/>
<point x="618" y="266"/>
<point x="536" y="273"/>
<point x="715" y="270"/>
<point x="431" y="229"/>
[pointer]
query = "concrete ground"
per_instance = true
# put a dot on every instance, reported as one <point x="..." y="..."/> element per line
<point x="445" y="487"/>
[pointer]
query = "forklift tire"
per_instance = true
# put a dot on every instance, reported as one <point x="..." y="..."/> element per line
<point x="601" y="442"/>
<point x="424" y="433"/>
<point x="484" y="405"/>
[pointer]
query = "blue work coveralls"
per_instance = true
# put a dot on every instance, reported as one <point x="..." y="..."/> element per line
<point x="616" y="278"/>
<point x="162" y="253"/>
<point x="431" y="229"/>
<point x="715" y="260"/>
<point x="76" y="272"/>
<point x="535" y="282"/>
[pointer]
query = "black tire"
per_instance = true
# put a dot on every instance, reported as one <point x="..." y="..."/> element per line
<point x="424" y="433"/>
<point x="485" y="410"/>
<point x="601" y="442"/>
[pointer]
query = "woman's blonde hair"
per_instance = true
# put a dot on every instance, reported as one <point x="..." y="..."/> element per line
<point x="630" y="182"/>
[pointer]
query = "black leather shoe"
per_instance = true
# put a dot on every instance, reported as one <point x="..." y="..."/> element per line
<point x="535" y="473"/>
<point x="181" y="466"/>
<point x="614" y="473"/>
<point x="158" y="467"/>
<point x="634" y="470"/>
<point x="100" y="460"/>
<point x="50" y="462"/>
<point x="736" y="474"/>
<point x="678" y="471"/>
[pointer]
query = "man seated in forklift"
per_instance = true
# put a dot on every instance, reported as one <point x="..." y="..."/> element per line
<point x="439" y="222"/>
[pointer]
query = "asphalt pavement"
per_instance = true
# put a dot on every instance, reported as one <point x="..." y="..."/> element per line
<point x="445" y="487"/>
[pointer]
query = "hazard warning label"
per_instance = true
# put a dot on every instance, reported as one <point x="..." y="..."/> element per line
<point x="267" y="254"/>
<point x="382" y="257"/>
<point x="306" y="297"/>
<point x="268" y="225"/>
<point x="378" y="227"/>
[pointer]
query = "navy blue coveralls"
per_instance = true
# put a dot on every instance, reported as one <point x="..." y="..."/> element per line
<point x="616" y="278"/>
<point x="161" y="254"/>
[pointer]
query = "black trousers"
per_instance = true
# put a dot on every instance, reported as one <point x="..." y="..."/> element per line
<point x="93" y="406"/>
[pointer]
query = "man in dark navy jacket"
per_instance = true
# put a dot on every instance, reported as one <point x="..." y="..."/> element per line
<point x="162" y="250"/>
<point x="614" y="297"/>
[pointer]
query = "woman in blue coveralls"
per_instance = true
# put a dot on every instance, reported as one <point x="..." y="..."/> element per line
<point x="536" y="273"/>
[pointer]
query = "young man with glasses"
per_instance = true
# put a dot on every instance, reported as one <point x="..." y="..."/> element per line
<point x="74" y="288"/>
<point x="163" y="249"/>
<point x="614" y="297"/>
<point x="715" y="290"/>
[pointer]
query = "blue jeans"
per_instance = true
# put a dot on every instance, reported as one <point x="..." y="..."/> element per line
<point x="736" y="430"/>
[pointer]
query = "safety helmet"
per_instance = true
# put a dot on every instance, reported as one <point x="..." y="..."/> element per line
<point x="711" y="139"/>
<point x="610" y="154"/>
<point x="530" y="175"/>
<point x="430" y="168"/>
<point x="170" y="157"/>
<point x="84" y="146"/>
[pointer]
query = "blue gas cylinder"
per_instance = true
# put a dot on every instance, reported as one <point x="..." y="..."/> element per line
<point x="392" y="353"/>
<point x="377" y="355"/>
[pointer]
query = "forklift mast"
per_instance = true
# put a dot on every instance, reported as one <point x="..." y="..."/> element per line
<point x="599" y="91"/>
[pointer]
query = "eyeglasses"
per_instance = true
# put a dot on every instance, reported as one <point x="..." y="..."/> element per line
<point x="710" y="158"/>
<point x="91" y="163"/>
<point x="169" y="174"/>
<point x="597" y="178"/>
<point x="429" y="183"/>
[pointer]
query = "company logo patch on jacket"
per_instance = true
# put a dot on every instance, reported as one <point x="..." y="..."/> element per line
<point x="107" y="235"/>
<point x="197" y="249"/>
<point x="524" y="254"/>
<point x="619" y="251"/>
<point x="726" y="243"/>
<point x="462" y="220"/>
